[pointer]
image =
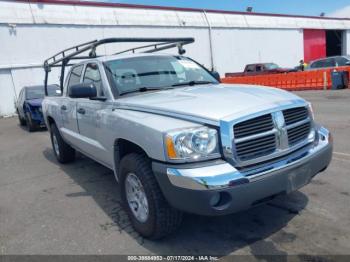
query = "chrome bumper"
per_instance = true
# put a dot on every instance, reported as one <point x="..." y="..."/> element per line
<point x="224" y="175"/>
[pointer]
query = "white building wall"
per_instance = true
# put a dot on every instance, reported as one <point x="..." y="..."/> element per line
<point x="7" y="93"/>
<point x="12" y="81"/>
<point x="234" y="48"/>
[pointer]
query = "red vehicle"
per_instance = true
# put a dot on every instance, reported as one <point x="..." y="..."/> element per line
<point x="260" y="69"/>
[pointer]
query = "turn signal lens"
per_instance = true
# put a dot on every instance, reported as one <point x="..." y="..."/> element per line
<point x="170" y="147"/>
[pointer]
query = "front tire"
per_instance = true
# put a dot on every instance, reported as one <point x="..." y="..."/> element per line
<point x="149" y="212"/>
<point x="22" y="122"/>
<point x="30" y="124"/>
<point x="64" y="153"/>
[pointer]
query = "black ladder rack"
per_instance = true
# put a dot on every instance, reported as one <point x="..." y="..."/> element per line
<point x="62" y="58"/>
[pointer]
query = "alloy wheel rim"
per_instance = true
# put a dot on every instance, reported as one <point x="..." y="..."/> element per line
<point x="136" y="197"/>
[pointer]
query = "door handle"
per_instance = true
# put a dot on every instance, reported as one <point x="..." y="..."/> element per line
<point x="63" y="107"/>
<point x="81" y="111"/>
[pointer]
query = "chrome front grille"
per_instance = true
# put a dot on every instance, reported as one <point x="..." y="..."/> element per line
<point x="298" y="134"/>
<point x="253" y="126"/>
<point x="271" y="135"/>
<point x="251" y="141"/>
<point x="256" y="148"/>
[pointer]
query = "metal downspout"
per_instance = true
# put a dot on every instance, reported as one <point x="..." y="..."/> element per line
<point x="14" y="86"/>
<point x="210" y="41"/>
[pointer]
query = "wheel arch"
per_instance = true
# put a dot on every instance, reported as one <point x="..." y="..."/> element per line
<point x="50" y="120"/>
<point x="123" y="147"/>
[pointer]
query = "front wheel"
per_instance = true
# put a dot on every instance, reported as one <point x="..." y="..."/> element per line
<point x="148" y="210"/>
<point x="22" y="121"/>
<point x="31" y="126"/>
<point x="63" y="152"/>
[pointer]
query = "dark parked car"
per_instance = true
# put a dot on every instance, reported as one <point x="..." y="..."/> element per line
<point x="260" y="69"/>
<point x="333" y="61"/>
<point x="28" y="105"/>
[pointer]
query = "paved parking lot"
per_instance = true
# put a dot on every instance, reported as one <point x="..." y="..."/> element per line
<point x="48" y="208"/>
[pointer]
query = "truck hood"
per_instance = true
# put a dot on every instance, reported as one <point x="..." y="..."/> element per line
<point x="210" y="103"/>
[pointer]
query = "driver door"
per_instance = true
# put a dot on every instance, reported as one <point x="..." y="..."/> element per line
<point x="89" y="114"/>
<point x="68" y="108"/>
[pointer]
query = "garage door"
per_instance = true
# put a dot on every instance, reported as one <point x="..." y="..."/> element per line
<point x="314" y="44"/>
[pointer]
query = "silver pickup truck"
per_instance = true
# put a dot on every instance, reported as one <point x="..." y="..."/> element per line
<point x="180" y="141"/>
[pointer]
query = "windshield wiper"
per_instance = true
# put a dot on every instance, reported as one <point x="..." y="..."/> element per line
<point x="193" y="83"/>
<point x="144" y="89"/>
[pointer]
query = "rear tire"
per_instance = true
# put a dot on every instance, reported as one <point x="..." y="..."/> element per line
<point x="64" y="153"/>
<point x="161" y="219"/>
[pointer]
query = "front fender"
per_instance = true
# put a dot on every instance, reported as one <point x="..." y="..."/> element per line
<point x="145" y="130"/>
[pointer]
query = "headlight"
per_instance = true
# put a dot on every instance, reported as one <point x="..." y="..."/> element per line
<point x="193" y="143"/>
<point x="311" y="111"/>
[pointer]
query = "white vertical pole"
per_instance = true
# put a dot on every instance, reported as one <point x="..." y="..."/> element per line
<point x="210" y="41"/>
<point x="325" y="84"/>
<point x="13" y="85"/>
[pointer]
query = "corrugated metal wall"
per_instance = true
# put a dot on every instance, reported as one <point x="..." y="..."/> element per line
<point x="29" y="33"/>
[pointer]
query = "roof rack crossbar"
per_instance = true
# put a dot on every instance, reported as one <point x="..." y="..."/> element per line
<point x="59" y="57"/>
<point x="155" y="48"/>
<point x="62" y="58"/>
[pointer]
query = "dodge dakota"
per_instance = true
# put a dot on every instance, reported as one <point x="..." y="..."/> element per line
<point x="179" y="141"/>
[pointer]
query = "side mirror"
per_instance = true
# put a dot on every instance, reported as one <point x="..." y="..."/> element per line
<point x="83" y="90"/>
<point x="347" y="63"/>
<point x="216" y="75"/>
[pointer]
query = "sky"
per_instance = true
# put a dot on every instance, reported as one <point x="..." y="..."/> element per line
<point x="340" y="8"/>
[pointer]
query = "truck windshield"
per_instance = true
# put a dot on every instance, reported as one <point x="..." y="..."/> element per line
<point x="271" y="66"/>
<point x="146" y="73"/>
<point x="38" y="92"/>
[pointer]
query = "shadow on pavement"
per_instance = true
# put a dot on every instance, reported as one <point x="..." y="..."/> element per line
<point x="256" y="230"/>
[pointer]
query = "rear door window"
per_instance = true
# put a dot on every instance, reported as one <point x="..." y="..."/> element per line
<point x="259" y="68"/>
<point x="250" y="68"/>
<point x="330" y="62"/>
<point x="341" y="61"/>
<point x="316" y="64"/>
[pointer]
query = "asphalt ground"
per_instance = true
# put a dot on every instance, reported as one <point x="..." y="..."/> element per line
<point x="49" y="208"/>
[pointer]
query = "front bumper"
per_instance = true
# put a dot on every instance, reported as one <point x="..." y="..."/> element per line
<point x="218" y="188"/>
